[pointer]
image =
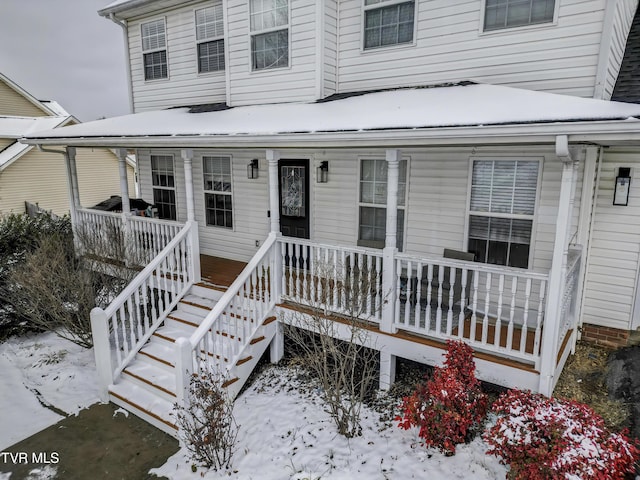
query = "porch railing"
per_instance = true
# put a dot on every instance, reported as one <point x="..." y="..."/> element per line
<point x="569" y="300"/>
<point x="115" y="236"/>
<point x="226" y="331"/>
<point x="128" y="322"/>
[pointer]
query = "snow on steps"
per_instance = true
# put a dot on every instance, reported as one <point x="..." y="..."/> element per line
<point x="147" y="385"/>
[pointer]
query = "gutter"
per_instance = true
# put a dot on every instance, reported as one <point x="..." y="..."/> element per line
<point x="125" y="34"/>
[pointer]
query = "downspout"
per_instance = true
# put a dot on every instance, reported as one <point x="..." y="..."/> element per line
<point x="125" y="33"/>
<point x="73" y="189"/>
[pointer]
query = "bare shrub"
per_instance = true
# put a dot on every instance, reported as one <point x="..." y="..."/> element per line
<point x="337" y="347"/>
<point x="207" y="426"/>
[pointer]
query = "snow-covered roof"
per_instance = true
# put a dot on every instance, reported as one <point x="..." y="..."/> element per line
<point x="438" y="109"/>
<point x="17" y="127"/>
<point x="12" y="153"/>
<point x="55" y="107"/>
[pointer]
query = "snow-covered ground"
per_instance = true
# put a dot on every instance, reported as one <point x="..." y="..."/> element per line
<point x="284" y="433"/>
<point x="39" y="371"/>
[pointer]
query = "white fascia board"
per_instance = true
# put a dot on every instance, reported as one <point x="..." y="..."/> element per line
<point x="599" y="132"/>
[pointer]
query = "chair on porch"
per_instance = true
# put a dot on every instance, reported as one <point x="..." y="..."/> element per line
<point x="446" y="281"/>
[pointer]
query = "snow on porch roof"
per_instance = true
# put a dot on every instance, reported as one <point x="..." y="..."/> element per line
<point x="459" y="105"/>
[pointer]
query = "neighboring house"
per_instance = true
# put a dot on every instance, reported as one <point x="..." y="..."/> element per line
<point x="418" y="147"/>
<point x="30" y="175"/>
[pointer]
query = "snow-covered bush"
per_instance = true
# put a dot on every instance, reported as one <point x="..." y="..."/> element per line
<point x="449" y="408"/>
<point x="544" y="438"/>
<point x="207" y="426"/>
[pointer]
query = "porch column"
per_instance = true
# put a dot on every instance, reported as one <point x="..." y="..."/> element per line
<point x="390" y="250"/>
<point x="124" y="184"/>
<point x="187" y="157"/>
<point x="552" y="320"/>
<point x="273" y="156"/>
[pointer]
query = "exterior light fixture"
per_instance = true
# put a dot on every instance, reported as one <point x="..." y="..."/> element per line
<point x="322" y="172"/>
<point x="252" y="169"/>
<point x="623" y="182"/>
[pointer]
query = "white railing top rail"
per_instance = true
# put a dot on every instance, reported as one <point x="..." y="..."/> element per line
<point x="102" y="213"/>
<point x="147" y="271"/>
<point x="232" y="291"/>
<point x="135" y="218"/>
<point x="481" y="267"/>
<point x="374" y="252"/>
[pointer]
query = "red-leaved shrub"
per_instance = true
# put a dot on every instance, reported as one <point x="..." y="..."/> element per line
<point x="544" y="438"/>
<point x="449" y="408"/>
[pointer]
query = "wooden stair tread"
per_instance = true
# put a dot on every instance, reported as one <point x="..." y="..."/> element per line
<point x="144" y="401"/>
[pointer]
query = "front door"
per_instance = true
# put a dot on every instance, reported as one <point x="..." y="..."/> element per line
<point x="294" y="197"/>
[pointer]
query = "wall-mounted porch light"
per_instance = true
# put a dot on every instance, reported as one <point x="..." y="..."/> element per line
<point x="623" y="182"/>
<point x="322" y="172"/>
<point x="252" y="169"/>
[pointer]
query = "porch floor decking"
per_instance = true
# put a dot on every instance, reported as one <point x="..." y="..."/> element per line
<point x="220" y="272"/>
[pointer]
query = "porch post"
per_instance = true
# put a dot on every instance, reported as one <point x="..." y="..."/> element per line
<point x="124" y="184"/>
<point x="273" y="156"/>
<point x="187" y="157"/>
<point x="390" y="250"/>
<point x="552" y="320"/>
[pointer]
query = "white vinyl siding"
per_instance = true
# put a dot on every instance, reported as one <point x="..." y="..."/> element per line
<point x="330" y="48"/>
<point x="449" y="46"/>
<point x="210" y="38"/>
<point x="12" y="103"/>
<point x="185" y="86"/>
<point x="500" y="14"/>
<point x="269" y="26"/>
<point x="388" y="22"/>
<point x="154" y="50"/>
<point x="614" y="255"/>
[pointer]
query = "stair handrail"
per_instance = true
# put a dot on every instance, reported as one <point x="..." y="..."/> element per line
<point x="232" y="291"/>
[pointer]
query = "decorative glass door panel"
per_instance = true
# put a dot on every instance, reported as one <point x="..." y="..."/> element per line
<point x="292" y="194"/>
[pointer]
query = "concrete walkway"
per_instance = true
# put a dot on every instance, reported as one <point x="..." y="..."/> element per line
<point x="93" y="445"/>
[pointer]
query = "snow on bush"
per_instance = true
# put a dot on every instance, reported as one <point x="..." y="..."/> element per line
<point x="545" y="438"/>
<point x="449" y="408"/>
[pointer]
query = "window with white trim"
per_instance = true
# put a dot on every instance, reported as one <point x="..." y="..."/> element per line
<point x="388" y="22"/>
<point x="154" y="50"/>
<point x="499" y="14"/>
<point x="372" y="225"/>
<point x="269" y="26"/>
<point x="218" y="201"/>
<point x="164" y="186"/>
<point x="210" y="38"/>
<point x="501" y="210"/>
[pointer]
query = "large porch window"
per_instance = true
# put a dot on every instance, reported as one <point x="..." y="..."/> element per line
<point x="164" y="186"/>
<point x="373" y="199"/>
<point x="217" y="191"/>
<point x="501" y="211"/>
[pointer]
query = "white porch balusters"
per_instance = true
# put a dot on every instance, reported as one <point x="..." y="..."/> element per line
<point x="552" y="321"/>
<point x="277" y="344"/>
<point x="194" y="247"/>
<point x="387" y="361"/>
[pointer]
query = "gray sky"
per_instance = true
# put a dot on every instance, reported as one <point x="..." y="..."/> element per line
<point x="62" y="50"/>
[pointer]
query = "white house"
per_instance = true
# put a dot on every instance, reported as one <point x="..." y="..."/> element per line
<point x="462" y="158"/>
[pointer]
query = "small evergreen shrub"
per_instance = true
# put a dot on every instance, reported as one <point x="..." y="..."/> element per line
<point x="449" y="408"/>
<point x="545" y="438"/>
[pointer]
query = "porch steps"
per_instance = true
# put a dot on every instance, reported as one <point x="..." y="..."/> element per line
<point x="147" y="385"/>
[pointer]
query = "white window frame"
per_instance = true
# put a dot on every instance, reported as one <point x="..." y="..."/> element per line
<point x="216" y="38"/>
<point x="161" y="187"/>
<point x="264" y="31"/>
<point x="532" y="26"/>
<point x="154" y="50"/>
<point x="533" y="217"/>
<point x="382" y="4"/>
<point x="218" y="192"/>
<point x="404" y="208"/>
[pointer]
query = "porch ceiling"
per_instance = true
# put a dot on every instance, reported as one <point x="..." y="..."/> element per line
<point x="448" y="114"/>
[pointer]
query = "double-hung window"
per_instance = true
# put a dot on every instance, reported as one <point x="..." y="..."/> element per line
<point x="154" y="50"/>
<point x="501" y="211"/>
<point x="269" y="25"/>
<point x="164" y="186"/>
<point x="500" y="14"/>
<point x="217" y="191"/>
<point x="210" y="38"/>
<point x="372" y="226"/>
<point x="388" y="22"/>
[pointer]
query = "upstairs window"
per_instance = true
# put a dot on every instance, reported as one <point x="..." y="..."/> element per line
<point x="269" y="34"/>
<point x="388" y="22"/>
<point x="210" y="38"/>
<point x="500" y="14"/>
<point x="164" y="186"/>
<point x="503" y="200"/>
<point x="217" y="191"/>
<point x="154" y="48"/>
